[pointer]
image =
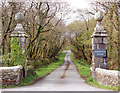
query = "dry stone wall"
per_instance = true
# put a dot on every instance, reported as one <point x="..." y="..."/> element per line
<point x="11" y="75"/>
<point x="107" y="77"/>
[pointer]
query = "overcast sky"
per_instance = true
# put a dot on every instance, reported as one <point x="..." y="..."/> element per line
<point x="77" y="4"/>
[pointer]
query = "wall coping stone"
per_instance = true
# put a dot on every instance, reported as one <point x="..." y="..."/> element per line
<point x="100" y="70"/>
<point x="7" y="68"/>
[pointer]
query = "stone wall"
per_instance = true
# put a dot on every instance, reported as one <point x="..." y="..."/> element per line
<point x="107" y="77"/>
<point x="11" y="75"/>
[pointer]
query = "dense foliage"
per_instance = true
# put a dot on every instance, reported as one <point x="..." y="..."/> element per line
<point x="16" y="57"/>
<point x="44" y="29"/>
<point x="82" y="43"/>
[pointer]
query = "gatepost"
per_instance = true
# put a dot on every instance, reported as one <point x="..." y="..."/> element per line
<point x="99" y="45"/>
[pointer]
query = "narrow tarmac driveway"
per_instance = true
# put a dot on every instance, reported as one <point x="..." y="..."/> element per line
<point x="53" y="82"/>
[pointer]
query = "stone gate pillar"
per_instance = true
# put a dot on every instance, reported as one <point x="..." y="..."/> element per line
<point x="99" y="45"/>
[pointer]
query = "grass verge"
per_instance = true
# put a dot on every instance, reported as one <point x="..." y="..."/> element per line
<point x="84" y="71"/>
<point x="40" y="73"/>
<point x="83" y="68"/>
<point x="94" y="83"/>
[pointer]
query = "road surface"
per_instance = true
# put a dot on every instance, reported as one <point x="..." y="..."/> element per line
<point x="54" y="82"/>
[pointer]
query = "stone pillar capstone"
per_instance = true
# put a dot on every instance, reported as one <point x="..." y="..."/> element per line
<point x="99" y="45"/>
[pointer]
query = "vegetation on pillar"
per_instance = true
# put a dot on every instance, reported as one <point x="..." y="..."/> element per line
<point x="17" y="56"/>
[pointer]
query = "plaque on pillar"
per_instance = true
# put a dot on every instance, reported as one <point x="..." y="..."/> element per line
<point x="100" y="53"/>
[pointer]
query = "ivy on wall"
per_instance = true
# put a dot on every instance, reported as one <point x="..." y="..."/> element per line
<point x="17" y="56"/>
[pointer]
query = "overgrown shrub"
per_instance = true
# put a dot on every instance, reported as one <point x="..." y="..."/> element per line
<point x="17" y="56"/>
